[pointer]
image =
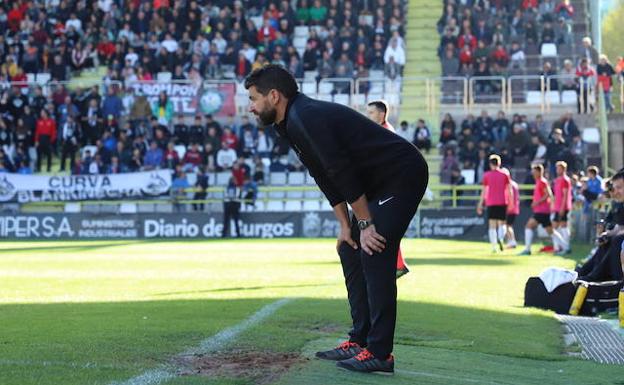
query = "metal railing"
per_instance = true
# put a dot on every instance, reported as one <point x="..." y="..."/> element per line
<point x="442" y="195"/>
<point x="432" y="92"/>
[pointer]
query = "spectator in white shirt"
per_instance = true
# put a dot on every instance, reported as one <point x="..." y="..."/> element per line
<point x="220" y="42"/>
<point x="169" y="43"/>
<point x="405" y="131"/>
<point x="225" y="157"/>
<point x="73" y="21"/>
<point x="396" y="51"/>
<point x="131" y="57"/>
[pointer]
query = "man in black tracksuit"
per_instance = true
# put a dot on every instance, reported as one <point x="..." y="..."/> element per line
<point x="382" y="176"/>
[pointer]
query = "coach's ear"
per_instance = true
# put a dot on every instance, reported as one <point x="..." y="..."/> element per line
<point x="274" y="97"/>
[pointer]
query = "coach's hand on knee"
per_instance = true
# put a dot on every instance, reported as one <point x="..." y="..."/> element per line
<point x="345" y="236"/>
<point x="371" y="240"/>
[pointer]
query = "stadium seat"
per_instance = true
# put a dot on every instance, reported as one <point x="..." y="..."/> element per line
<point x="325" y="87"/>
<point x="292" y="206"/>
<point x="310" y="75"/>
<point x="309" y="180"/>
<point x="212" y="179"/>
<point x="376" y="74"/>
<point x="569" y="97"/>
<point x="300" y="42"/>
<point x="553" y="97"/>
<point x="296" y="194"/>
<point x="181" y="150"/>
<point x="325" y="97"/>
<point x="325" y="206"/>
<point x="296" y="178"/>
<point x="591" y="135"/>
<point x="358" y="100"/>
<point x="277" y="179"/>
<point x="392" y="98"/>
<point x="549" y="50"/>
<point x="534" y="97"/>
<point x="308" y="87"/>
<point x="260" y="206"/>
<point x="302" y="30"/>
<point x="72" y="207"/>
<point x="469" y="176"/>
<point x="223" y="178"/>
<point x="128" y="208"/>
<point x="274" y="206"/>
<point x="342" y="99"/>
<point x="257" y="20"/>
<point x="191" y="178"/>
<point x="311" y="205"/>
<point x="43" y="78"/>
<point x="164" y="77"/>
<point x="91" y="149"/>
<point x="315" y="194"/>
<point x="372" y="97"/>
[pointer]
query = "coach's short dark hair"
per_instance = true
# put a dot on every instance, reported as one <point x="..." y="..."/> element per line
<point x="380" y="105"/>
<point x="273" y="77"/>
<point x="618" y="175"/>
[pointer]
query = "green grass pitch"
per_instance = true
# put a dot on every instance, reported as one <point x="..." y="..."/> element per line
<point x="105" y="312"/>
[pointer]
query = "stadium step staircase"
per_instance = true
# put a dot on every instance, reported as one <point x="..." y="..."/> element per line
<point x="422" y="41"/>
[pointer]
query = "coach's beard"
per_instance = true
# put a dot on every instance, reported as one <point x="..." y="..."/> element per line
<point x="266" y="118"/>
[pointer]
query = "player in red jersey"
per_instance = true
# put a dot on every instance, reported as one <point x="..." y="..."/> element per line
<point x="563" y="205"/>
<point x="495" y="195"/>
<point x="377" y="111"/>
<point x="542" y="199"/>
<point x="513" y="210"/>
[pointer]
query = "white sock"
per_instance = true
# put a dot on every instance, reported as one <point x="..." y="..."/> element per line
<point x="492" y="235"/>
<point x="501" y="232"/>
<point x="559" y="242"/>
<point x="528" y="238"/>
<point x="565" y="233"/>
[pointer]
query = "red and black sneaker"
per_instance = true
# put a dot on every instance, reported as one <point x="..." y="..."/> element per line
<point x="365" y="362"/>
<point x="343" y="351"/>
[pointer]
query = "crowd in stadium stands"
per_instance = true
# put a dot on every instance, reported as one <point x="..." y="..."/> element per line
<point x="487" y="38"/>
<point x="108" y="130"/>
<point x="497" y="38"/>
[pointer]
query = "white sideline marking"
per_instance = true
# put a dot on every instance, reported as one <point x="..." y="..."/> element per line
<point x="444" y="377"/>
<point x="209" y="345"/>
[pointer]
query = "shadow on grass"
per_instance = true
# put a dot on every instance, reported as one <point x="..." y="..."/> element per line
<point x="434" y="262"/>
<point x="458" y="261"/>
<point x="127" y="338"/>
<point x="242" y="288"/>
<point x="68" y="247"/>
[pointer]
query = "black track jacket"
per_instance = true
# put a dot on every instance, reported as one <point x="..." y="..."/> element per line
<point x="348" y="154"/>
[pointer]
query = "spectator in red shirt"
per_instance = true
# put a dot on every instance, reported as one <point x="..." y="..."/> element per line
<point x="500" y="56"/>
<point x="565" y="10"/>
<point x="45" y="136"/>
<point x="15" y="17"/>
<point x="466" y="60"/>
<point x="266" y="31"/>
<point x="192" y="158"/>
<point x="605" y="73"/>
<point x="528" y="4"/>
<point x="171" y="156"/>
<point x="238" y="172"/>
<point x="105" y="51"/>
<point x="586" y="74"/>
<point x="468" y="39"/>
<point x="229" y="138"/>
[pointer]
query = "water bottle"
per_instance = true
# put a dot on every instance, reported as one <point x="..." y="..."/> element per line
<point x="579" y="299"/>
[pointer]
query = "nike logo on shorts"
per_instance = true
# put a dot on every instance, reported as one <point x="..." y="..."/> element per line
<point x="381" y="202"/>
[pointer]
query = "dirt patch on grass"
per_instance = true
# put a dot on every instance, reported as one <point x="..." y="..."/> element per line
<point x="260" y="367"/>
